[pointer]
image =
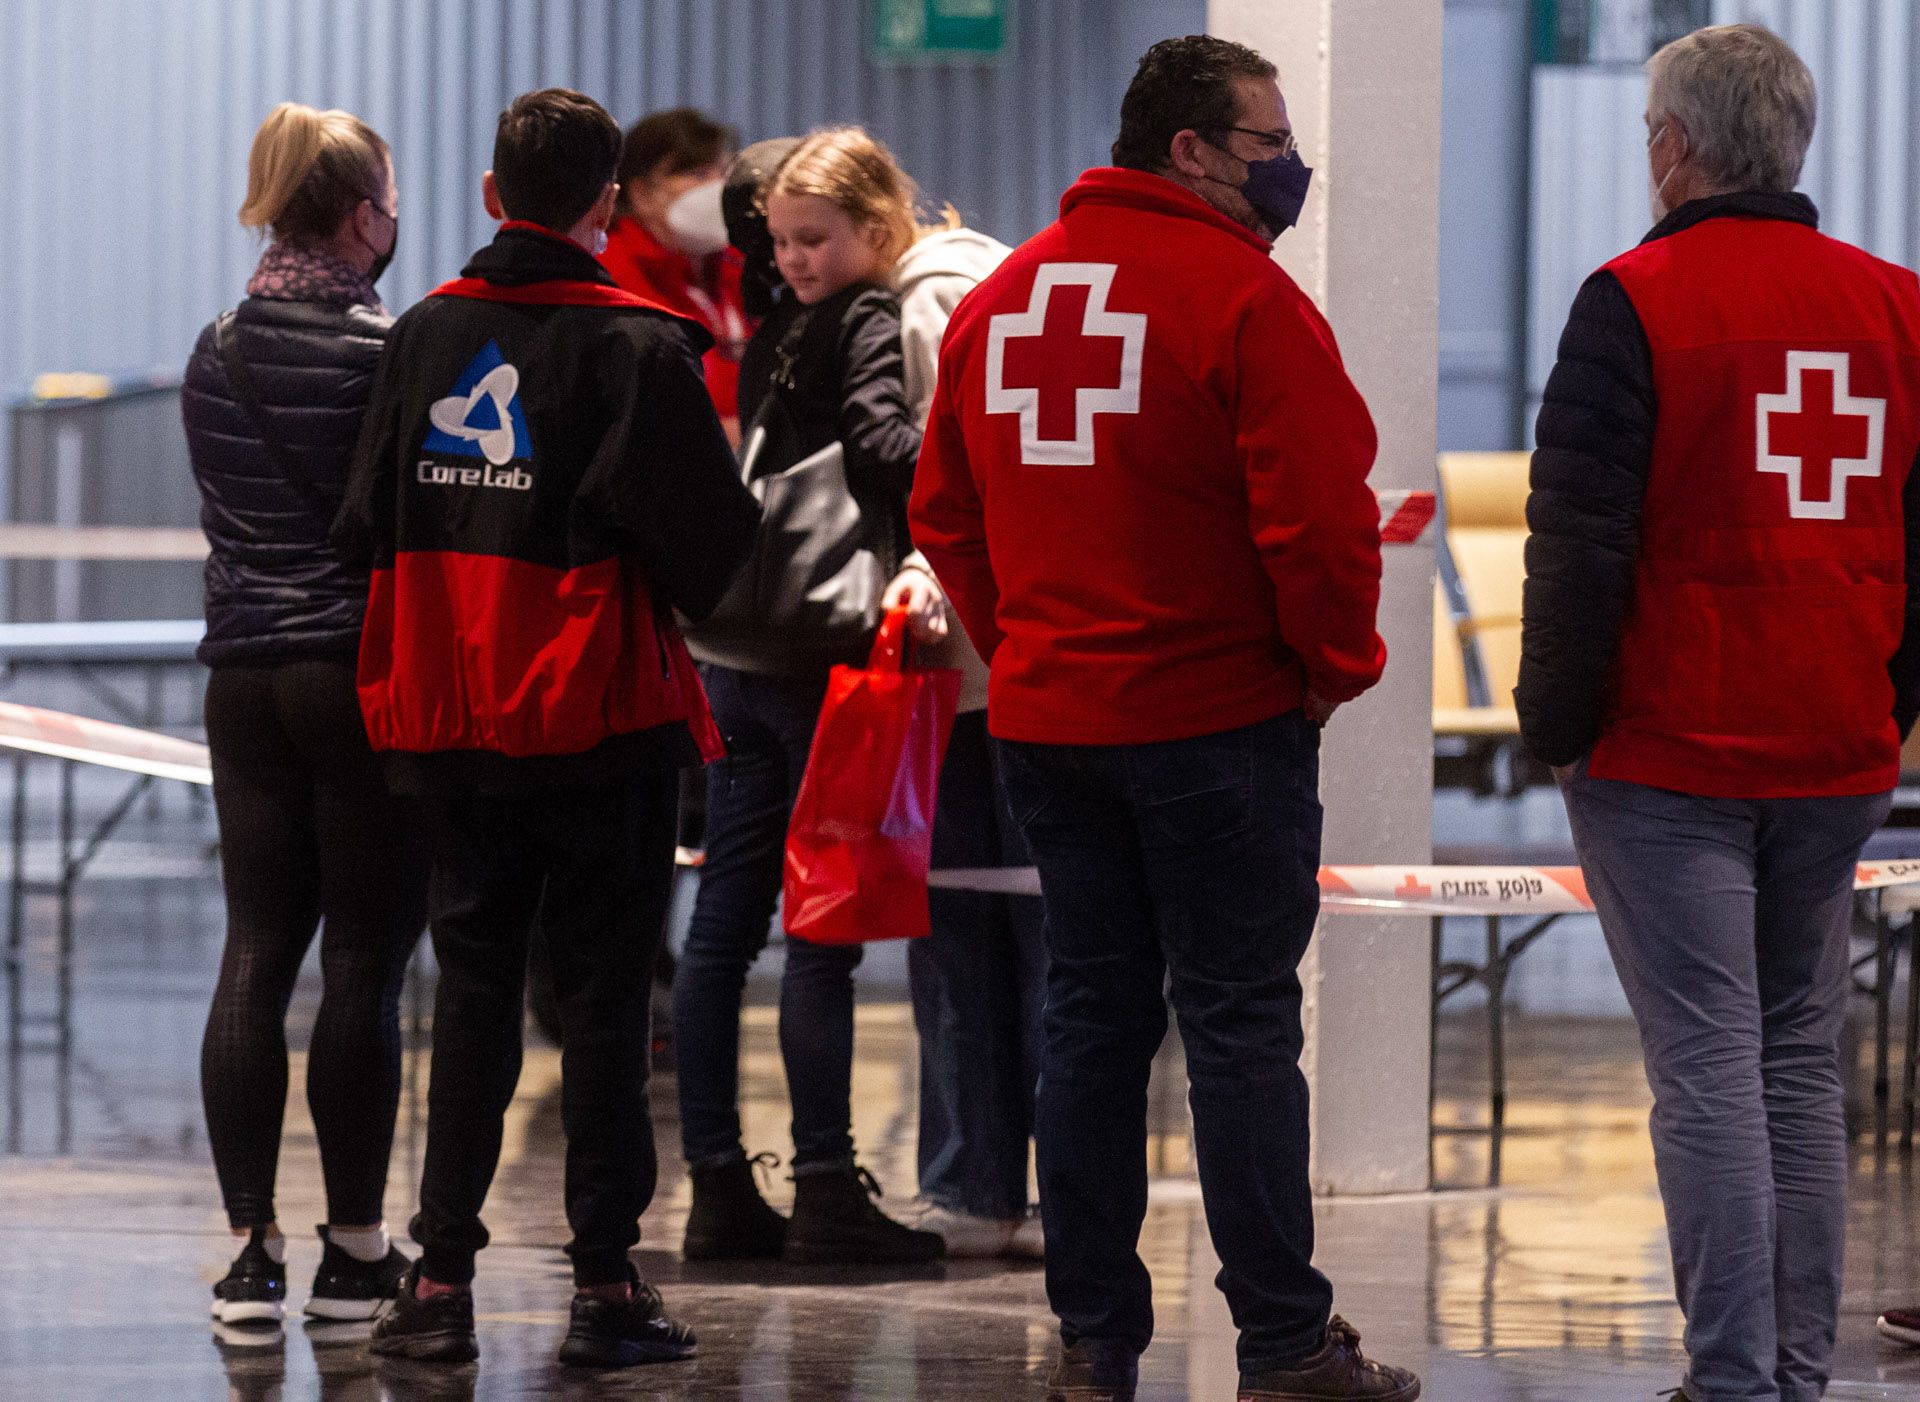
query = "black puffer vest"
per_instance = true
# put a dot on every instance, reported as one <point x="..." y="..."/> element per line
<point x="277" y="590"/>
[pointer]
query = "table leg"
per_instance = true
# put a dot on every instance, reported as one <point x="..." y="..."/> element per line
<point x="16" y="964"/>
<point x="1883" y="974"/>
<point x="1912" y="1067"/>
<point x="1496" y="981"/>
<point x="1433" y="1039"/>
<point x="68" y="876"/>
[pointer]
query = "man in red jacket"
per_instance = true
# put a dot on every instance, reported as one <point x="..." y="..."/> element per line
<point x="541" y="481"/>
<point x="1720" y="656"/>
<point x="1144" y="486"/>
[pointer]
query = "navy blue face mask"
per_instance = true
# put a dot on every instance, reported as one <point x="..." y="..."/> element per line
<point x="1275" y="187"/>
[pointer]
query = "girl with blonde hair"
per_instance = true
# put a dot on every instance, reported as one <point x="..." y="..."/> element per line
<point x="823" y="370"/>
<point x="273" y="401"/>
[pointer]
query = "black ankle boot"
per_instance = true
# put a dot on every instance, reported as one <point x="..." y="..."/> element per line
<point x="729" y="1220"/>
<point x="836" y="1220"/>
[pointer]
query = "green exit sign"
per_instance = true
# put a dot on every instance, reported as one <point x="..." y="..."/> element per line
<point x="939" y="31"/>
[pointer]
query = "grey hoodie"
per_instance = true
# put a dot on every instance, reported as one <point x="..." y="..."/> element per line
<point x="930" y="279"/>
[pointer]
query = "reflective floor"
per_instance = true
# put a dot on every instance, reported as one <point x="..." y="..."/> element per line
<point x="1555" y="1287"/>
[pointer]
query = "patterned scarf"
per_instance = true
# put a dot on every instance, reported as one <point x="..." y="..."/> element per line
<point x="290" y="274"/>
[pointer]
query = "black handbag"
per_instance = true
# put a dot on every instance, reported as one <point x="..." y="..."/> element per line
<point x="813" y="584"/>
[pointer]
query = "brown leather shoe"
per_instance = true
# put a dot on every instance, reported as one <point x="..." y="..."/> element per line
<point x="1094" y="1372"/>
<point x="1337" y="1371"/>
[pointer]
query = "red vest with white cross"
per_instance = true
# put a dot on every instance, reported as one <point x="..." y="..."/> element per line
<point x="1770" y="590"/>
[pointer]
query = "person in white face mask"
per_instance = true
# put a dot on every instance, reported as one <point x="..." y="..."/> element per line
<point x="669" y="242"/>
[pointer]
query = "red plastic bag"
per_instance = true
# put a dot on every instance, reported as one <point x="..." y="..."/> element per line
<point x="861" y="837"/>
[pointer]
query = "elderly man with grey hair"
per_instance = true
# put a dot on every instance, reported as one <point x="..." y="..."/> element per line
<point x="1721" y="655"/>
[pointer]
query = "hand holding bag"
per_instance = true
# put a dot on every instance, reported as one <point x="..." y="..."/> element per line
<point x="861" y="837"/>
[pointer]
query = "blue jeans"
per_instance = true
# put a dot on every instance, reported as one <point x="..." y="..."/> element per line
<point x="978" y="981"/>
<point x="768" y="724"/>
<point x="1189" y="866"/>
<point x="1727" y="920"/>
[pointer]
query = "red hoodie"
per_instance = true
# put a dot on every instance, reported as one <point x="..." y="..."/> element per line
<point x="1144" y="481"/>
<point x="706" y="291"/>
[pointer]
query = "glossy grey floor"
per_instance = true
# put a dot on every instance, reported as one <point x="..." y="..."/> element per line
<point x="1554" y="1287"/>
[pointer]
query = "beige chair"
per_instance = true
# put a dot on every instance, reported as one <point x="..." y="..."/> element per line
<point x="1483" y="499"/>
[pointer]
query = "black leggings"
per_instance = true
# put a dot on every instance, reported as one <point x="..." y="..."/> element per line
<point x="308" y="833"/>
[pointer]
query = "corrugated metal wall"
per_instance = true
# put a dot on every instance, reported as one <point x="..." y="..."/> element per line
<point x="1483" y="225"/>
<point x="1589" y="170"/>
<point x="124" y="127"/>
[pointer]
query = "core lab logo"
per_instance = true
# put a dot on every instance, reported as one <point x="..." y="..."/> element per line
<point x="480" y="419"/>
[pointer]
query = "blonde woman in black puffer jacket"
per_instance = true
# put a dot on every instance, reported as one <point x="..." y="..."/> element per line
<point x="273" y="400"/>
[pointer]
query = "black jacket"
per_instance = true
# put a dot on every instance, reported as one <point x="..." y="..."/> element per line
<point x="277" y="589"/>
<point x="845" y="381"/>
<point x="540" y="481"/>
<point x="1595" y="450"/>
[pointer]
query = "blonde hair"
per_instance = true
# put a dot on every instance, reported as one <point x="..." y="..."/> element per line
<point x="856" y="171"/>
<point x="308" y="170"/>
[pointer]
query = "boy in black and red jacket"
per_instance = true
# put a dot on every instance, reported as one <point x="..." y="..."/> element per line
<point x="541" y="481"/>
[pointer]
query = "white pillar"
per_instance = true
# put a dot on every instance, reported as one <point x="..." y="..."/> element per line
<point x="1362" y="84"/>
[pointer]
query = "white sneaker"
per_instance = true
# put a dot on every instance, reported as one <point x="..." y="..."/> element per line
<point x="1902" y="1326"/>
<point x="967" y="1237"/>
<point x="1029" y="1240"/>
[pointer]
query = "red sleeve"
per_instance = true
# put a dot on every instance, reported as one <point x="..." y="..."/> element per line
<point x="949" y="521"/>
<point x="1306" y="443"/>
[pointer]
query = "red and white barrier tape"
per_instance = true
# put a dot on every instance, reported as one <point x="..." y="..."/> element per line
<point x="1428" y="890"/>
<point x="1405" y="516"/>
<point x="1416" y="890"/>
<point x="100" y="742"/>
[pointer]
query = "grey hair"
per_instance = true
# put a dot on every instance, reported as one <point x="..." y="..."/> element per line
<point x="1746" y="102"/>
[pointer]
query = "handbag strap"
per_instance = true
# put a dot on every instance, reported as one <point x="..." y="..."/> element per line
<point x="247" y="391"/>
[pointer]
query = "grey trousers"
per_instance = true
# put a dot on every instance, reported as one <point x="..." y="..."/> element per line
<point x="1727" y="920"/>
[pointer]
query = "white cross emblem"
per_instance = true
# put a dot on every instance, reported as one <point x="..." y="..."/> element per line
<point x="1061" y="362"/>
<point x="1842" y="405"/>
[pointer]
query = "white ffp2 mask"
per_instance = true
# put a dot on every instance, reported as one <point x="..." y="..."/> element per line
<point x="696" y="222"/>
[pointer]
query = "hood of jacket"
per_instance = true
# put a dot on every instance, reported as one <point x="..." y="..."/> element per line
<point x="523" y="253"/>
<point x="949" y="253"/>
<point x="1144" y="191"/>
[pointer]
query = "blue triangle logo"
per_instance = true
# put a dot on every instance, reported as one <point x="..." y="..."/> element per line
<point x="481" y="416"/>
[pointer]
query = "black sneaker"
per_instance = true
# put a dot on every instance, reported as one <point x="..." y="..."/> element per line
<point x="255" y="1288"/>
<point x="348" y="1288"/>
<point x="729" y="1219"/>
<point x="836" y="1221"/>
<point x="1094" y="1371"/>
<point x="625" y="1333"/>
<point x="439" y="1330"/>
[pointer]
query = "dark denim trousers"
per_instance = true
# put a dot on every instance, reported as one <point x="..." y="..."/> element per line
<point x="1728" y="922"/>
<point x="978" y="982"/>
<point x="768" y="723"/>
<point x="1189" y="866"/>
<point x="596" y="866"/>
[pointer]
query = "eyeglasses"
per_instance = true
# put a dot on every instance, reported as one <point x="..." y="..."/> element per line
<point x="1281" y="143"/>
